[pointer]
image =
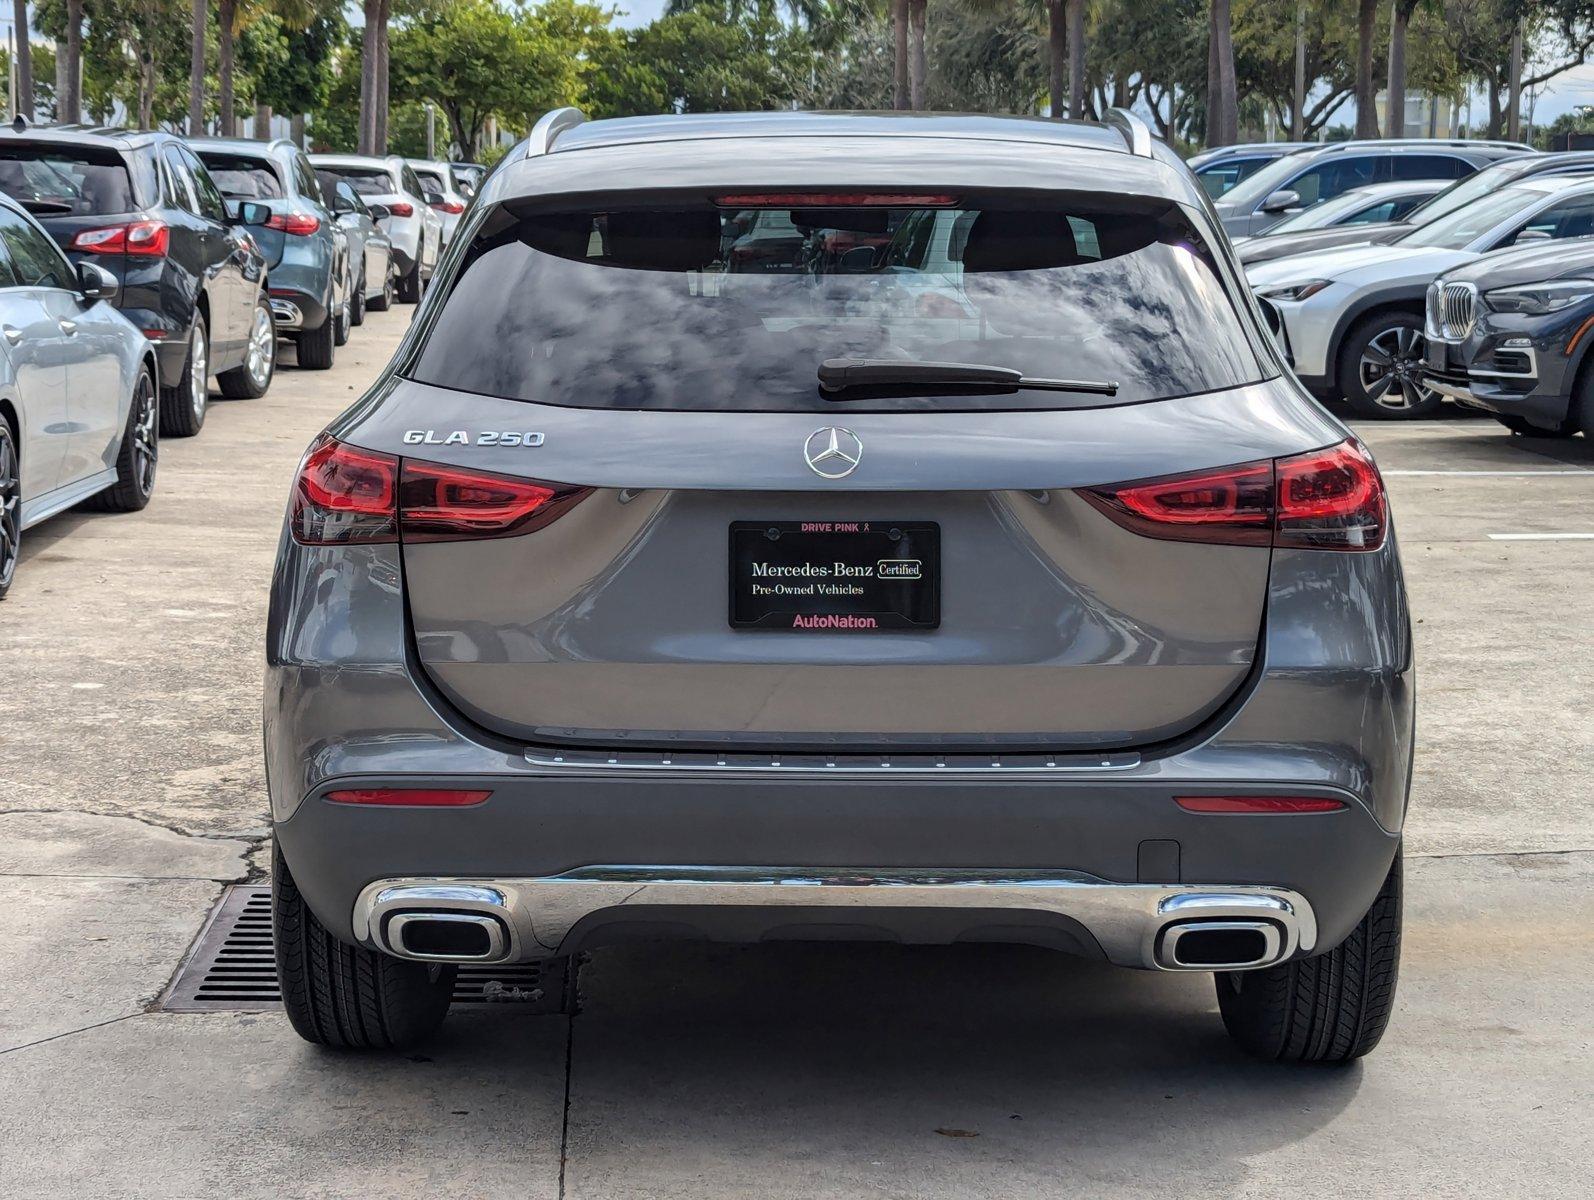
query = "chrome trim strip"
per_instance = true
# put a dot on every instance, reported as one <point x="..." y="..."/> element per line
<point x="832" y="765"/>
<point x="1531" y="373"/>
<point x="1128" y="920"/>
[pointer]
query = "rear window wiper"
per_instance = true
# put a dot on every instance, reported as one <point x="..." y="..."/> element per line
<point x="47" y="208"/>
<point x="847" y="374"/>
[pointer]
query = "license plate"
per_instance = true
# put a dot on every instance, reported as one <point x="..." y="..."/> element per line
<point x="835" y="576"/>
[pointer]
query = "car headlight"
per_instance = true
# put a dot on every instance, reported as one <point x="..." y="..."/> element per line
<point x="1293" y="291"/>
<point x="1536" y="299"/>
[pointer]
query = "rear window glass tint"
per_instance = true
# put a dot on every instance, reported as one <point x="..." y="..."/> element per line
<point x="369" y="182"/>
<point x="242" y="178"/>
<point x="734" y="309"/>
<point x="65" y="181"/>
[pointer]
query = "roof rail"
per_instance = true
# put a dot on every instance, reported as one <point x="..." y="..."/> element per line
<point x="548" y="127"/>
<point x="1136" y="132"/>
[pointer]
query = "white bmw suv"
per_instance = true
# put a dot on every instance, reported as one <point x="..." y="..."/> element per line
<point x="1351" y="320"/>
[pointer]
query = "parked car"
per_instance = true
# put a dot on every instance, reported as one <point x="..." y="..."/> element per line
<point x="144" y="208"/>
<point x="1221" y="168"/>
<point x="1352" y="318"/>
<point x="1509" y="334"/>
<point x="614" y="610"/>
<point x="307" y="251"/>
<point x="1457" y="195"/>
<point x="1309" y="177"/>
<point x="442" y="194"/>
<point x="370" y="250"/>
<point x="414" y="229"/>
<point x="79" y="409"/>
<point x="468" y="178"/>
<point x="1356" y="212"/>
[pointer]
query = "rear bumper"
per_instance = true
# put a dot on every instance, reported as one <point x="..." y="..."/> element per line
<point x="1133" y="925"/>
<point x="1328" y="711"/>
<point x="295" y="310"/>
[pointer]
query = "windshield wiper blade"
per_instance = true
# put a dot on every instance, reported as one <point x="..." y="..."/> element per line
<point x="847" y="374"/>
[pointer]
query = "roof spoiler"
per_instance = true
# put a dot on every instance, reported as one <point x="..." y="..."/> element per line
<point x="1136" y="132"/>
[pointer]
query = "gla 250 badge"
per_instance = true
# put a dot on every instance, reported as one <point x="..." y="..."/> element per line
<point x="459" y="437"/>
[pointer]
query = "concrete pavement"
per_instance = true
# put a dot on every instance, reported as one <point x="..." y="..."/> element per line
<point x="130" y="792"/>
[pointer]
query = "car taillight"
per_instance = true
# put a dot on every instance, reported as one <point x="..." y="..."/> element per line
<point x="1323" y="500"/>
<point x="835" y="200"/>
<point x="446" y="504"/>
<point x="401" y="209"/>
<point x="345" y="494"/>
<point x="298" y="224"/>
<point x="449" y="206"/>
<point x="151" y="238"/>
<point x="1259" y="804"/>
<point x="409" y="797"/>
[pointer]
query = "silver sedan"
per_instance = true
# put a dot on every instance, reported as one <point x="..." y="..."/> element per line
<point x="78" y="411"/>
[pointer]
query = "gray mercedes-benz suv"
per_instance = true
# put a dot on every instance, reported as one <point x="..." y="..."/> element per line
<point x="965" y="567"/>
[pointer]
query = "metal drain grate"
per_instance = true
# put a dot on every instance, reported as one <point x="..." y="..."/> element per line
<point x="231" y="967"/>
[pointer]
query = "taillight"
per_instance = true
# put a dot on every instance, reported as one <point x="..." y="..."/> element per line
<point x="150" y="238"/>
<point x="446" y="504"/>
<point x="298" y="224"/>
<point x="1259" y="804"/>
<point x="1323" y="500"/>
<point x="1331" y="500"/>
<point x="449" y="206"/>
<point x="345" y="494"/>
<point x="409" y="797"/>
<point x="835" y="200"/>
<point x="400" y="208"/>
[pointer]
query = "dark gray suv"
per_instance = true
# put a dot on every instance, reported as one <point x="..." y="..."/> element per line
<point x="964" y="567"/>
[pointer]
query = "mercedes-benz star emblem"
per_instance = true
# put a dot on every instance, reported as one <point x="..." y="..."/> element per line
<point x="833" y="452"/>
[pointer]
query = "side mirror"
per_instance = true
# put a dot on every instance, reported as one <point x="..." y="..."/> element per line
<point x="434" y="198"/>
<point x="252" y="212"/>
<point x="94" y="282"/>
<point x="379" y="212"/>
<point x="1281" y="201"/>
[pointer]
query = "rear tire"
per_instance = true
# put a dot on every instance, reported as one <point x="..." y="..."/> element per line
<point x="10" y="506"/>
<point x="183" y="405"/>
<point x="340" y="331"/>
<point x="1331" y="1008"/>
<point x="409" y="285"/>
<point x="1392" y="392"/>
<point x="357" y="304"/>
<point x="318" y="347"/>
<point x="138" y="456"/>
<point x="347" y="997"/>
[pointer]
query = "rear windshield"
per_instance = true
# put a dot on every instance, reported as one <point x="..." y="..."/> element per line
<point x="432" y="180"/>
<point x="241" y="178"/>
<point x="367" y="181"/>
<point x="64" y="181"/>
<point x="734" y="307"/>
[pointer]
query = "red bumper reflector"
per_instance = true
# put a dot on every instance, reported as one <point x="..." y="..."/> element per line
<point x="411" y="797"/>
<point x="1259" y="804"/>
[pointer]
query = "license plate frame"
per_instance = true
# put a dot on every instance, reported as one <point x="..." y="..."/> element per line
<point x="901" y="591"/>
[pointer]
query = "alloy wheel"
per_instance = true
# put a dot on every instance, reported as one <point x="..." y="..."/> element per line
<point x="1391" y="369"/>
<point x="199" y="371"/>
<point x="146" y="435"/>
<point x="10" y="508"/>
<point x="262" y="348"/>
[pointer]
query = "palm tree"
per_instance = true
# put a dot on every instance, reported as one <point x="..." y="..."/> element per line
<point x="71" y="98"/>
<point x="196" y="72"/>
<point x="1223" y="106"/>
<point x="917" y="68"/>
<point x="1400" y="14"/>
<point x="373" y="78"/>
<point x="899" y="54"/>
<point x="24" y="61"/>
<point x="1366" y="89"/>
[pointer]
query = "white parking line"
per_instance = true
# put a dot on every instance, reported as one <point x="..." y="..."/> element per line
<point x="1570" y="471"/>
<point x="1541" y="537"/>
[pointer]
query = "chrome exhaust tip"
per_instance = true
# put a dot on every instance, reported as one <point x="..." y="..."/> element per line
<point x="446" y="937"/>
<point x="1219" y="945"/>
